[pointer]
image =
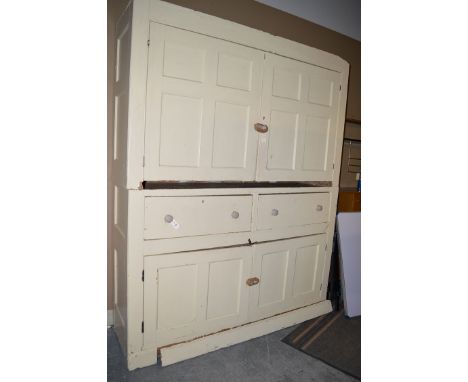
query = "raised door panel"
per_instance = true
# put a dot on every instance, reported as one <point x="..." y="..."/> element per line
<point x="187" y="295"/>
<point x="203" y="99"/>
<point x="272" y="266"/>
<point x="300" y="107"/>
<point x="289" y="273"/>
<point x="308" y="272"/>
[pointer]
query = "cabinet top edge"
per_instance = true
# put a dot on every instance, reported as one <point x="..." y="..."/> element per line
<point x="177" y="16"/>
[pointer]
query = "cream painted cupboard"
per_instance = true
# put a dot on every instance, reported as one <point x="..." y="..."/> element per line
<point x="227" y="145"/>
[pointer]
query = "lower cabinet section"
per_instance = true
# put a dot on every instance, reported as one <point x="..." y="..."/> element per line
<point x="191" y="294"/>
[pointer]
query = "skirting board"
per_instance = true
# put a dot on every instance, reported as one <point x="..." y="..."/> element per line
<point x="180" y="352"/>
<point x="110" y="317"/>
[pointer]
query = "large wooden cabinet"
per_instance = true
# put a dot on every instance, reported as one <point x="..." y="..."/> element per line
<point x="226" y="162"/>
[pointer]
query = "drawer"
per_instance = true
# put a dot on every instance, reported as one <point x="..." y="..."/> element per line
<point x="181" y="216"/>
<point x="290" y="210"/>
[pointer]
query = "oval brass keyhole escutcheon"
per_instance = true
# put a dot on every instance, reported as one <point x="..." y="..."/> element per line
<point x="261" y="128"/>
<point x="319" y="207"/>
<point x="253" y="281"/>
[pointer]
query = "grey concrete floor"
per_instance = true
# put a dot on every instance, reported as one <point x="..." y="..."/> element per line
<point x="263" y="359"/>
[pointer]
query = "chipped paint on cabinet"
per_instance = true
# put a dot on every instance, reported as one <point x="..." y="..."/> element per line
<point x="199" y="98"/>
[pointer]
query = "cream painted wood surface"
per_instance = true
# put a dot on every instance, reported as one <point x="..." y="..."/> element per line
<point x="194" y="293"/>
<point x="170" y="14"/>
<point x="119" y="165"/>
<point x="292" y="210"/>
<point x="203" y="99"/>
<point x="300" y="105"/>
<point x="180" y="216"/>
<point x="137" y="92"/>
<point x="220" y="340"/>
<point x="121" y="97"/>
<point x="219" y="86"/>
<point x="290" y="273"/>
<point x="134" y="270"/>
<point x="229" y="59"/>
<point x="203" y="218"/>
<point x="203" y="345"/>
<point x="190" y="89"/>
<point x="190" y="294"/>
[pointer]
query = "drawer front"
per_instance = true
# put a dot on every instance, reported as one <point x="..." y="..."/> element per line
<point x="290" y="210"/>
<point x="181" y="216"/>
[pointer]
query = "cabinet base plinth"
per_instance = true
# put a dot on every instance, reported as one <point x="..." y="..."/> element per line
<point x="141" y="359"/>
<point x="200" y="346"/>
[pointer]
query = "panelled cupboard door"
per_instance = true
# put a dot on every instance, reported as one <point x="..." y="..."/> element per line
<point x="300" y="107"/>
<point x="194" y="293"/>
<point x="290" y="274"/>
<point x="203" y="98"/>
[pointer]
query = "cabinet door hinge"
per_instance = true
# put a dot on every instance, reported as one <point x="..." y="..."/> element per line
<point x="333" y="166"/>
<point x="143" y="161"/>
<point x="143" y="275"/>
<point x="340" y="85"/>
<point x="142" y="326"/>
<point x="320" y="286"/>
<point x="148" y="42"/>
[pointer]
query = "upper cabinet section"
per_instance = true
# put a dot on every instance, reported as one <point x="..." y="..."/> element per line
<point x="211" y="100"/>
<point x="220" y="111"/>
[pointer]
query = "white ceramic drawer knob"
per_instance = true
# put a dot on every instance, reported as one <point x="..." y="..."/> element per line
<point x="274" y="212"/>
<point x="168" y="218"/>
<point x="319" y="207"/>
<point x="235" y="214"/>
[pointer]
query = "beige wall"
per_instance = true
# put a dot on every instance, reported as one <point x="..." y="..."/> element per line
<point x="255" y="15"/>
